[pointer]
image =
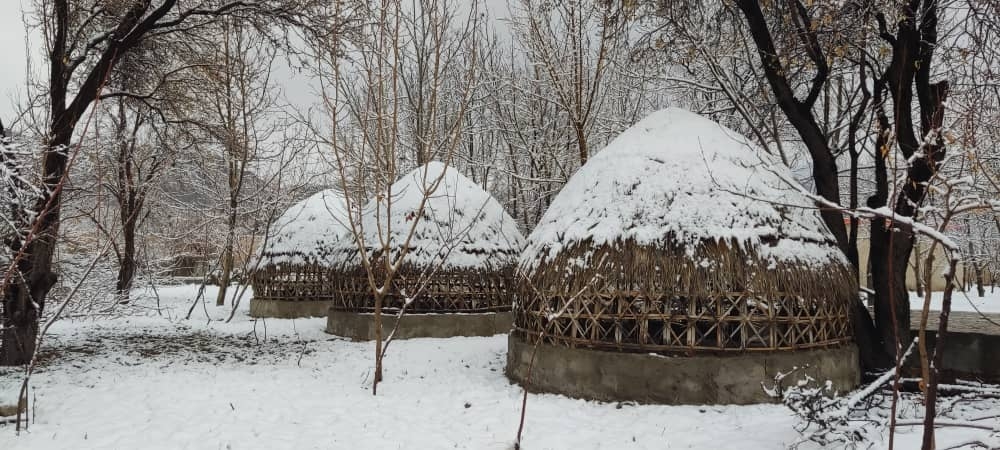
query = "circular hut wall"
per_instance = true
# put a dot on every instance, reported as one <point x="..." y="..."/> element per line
<point x="623" y="330"/>
<point x="660" y="274"/>
<point x="291" y="291"/>
<point x="451" y="303"/>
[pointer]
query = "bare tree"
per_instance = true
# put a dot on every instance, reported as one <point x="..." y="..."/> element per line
<point x="142" y="154"/>
<point x="559" y="37"/>
<point x="831" y="68"/>
<point x="84" y="41"/>
<point x="835" y="67"/>
<point x="241" y="100"/>
<point x="365" y="91"/>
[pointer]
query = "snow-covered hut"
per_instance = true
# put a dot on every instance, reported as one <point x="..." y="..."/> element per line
<point x="455" y="278"/>
<point x="293" y="278"/>
<point x="681" y="265"/>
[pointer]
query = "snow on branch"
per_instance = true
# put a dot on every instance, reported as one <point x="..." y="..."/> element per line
<point x="18" y="192"/>
<point x="864" y="212"/>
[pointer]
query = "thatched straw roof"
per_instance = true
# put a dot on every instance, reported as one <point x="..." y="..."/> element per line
<point x="306" y="232"/>
<point x="678" y="181"/>
<point x="682" y="224"/>
<point x="462" y="228"/>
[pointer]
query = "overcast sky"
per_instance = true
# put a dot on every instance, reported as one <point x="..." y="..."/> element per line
<point x="12" y="60"/>
<point x="296" y="88"/>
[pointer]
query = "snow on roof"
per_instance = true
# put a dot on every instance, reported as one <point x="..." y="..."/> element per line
<point x="463" y="226"/>
<point x="676" y="178"/>
<point x="308" y="231"/>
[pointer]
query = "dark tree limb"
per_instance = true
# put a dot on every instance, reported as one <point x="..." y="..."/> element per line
<point x="825" y="174"/>
<point x="800" y="115"/>
<point x="30" y="277"/>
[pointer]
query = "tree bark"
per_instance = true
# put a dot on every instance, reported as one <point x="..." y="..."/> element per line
<point x="33" y="278"/>
<point x="909" y="72"/>
<point x="918" y="278"/>
<point x="129" y="201"/>
<point x="890" y="253"/>
<point x="581" y="143"/>
<point x="825" y="175"/>
<point x="878" y="255"/>
<point x="26" y="290"/>
<point x="128" y="262"/>
<point x="227" y="253"/>
<point x="930" y="412"/>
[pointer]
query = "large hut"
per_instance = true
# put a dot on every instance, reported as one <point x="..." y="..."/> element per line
<point x="455" y="278"/>
<point x="293" y="278"/>
<point x="679" y="265"/>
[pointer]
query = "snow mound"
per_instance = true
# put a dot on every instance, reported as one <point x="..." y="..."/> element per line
<point x="462" y="226"/>
<point x="678" y="179"/>
<point x="308" y="231"/>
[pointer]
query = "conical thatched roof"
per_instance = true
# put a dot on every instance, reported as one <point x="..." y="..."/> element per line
<point x="679" y="181"/>
<point x="462" y="228"/>
<point x="307" y="232"/>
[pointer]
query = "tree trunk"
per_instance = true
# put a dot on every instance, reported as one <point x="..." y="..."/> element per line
<point x="869" y="351"/>
<point x="20" y="321"/>
<point x="127" y="264"/>
<point x="913" y="48"/>
<point x="227" y="254"/>
<point x="378" y="343"/>
<point x="26" y="289"/>
<point x="930" y="411"/>
<point x="129" y="201"/>
<point x="581" y="143"/>
<point x="852" y="237"/>
<point x="890" y="253"/>
<point x="978" y="271"/>
<point x="825" y="174"/>
<point x="878" y="247"/>
<point x="226" y="275"/>
<point x="918" y="278"/>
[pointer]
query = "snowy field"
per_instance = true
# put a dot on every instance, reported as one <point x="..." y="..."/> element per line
<point x="155" y="381"/>
<point x="968" y="301"/>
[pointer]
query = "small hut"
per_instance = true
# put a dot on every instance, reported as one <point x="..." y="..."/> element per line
<point x="679" y="265"/>
<point x="455" y="277"/>
<point x="293" y="278"/>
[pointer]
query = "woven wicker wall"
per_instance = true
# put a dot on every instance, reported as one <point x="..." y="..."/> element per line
<point x="293" y="283"/>
<point x="466" y="291"/>
<point x="642" y="299"/>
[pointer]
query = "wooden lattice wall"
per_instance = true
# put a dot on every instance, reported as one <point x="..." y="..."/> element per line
<point x="637" y="298"/>
<point x="464" y="291"/>
<point x="677" y="324"/>
<point x="293" y="283"/>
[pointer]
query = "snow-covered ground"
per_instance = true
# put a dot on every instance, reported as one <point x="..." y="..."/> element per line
<point x="156" y="381"/>
<point x="968" y="301"/>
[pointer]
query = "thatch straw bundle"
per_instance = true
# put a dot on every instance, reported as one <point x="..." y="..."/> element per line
<point x="680" y="237"/>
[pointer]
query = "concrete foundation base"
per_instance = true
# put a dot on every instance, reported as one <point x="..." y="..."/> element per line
<point x="288" y="310"/>
<point x="361" y="326"/>
<point x="646" y="378"/>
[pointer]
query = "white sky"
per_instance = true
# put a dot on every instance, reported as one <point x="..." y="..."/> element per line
<point x="12" y="59"/>
<point x="296" y="88"/>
